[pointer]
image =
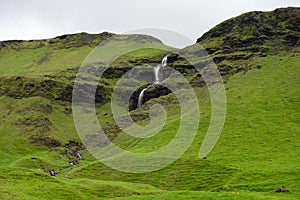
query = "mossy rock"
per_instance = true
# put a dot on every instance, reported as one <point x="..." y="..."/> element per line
<point x="44" y="140"/>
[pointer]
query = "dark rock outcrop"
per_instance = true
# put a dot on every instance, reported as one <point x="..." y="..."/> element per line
<point x="281" y="189"/>
<point x="152" y="92"/>
<point x="21" y="87"/>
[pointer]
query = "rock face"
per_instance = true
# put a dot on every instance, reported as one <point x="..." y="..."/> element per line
<point x="22" y="87"/>
<point x="150" y="93"/>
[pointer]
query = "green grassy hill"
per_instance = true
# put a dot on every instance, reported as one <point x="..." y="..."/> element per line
<point x="258" y="151"/>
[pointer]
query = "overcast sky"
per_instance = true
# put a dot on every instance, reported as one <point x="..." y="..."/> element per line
<point x="37" y="19"/>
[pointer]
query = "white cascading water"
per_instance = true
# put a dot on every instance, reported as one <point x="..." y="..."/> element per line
<point x="156" y="74"/>
<point x="164" y="61"/>
<point x="157" y="81"/>
<point x="140" y="100"/>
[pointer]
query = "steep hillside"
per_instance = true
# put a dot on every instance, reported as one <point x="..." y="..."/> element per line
<point x="258" y="57"/>
<point x="255" y="32"/>
<point x="235" y="43"/>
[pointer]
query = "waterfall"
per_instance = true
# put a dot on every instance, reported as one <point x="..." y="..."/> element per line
<point x="140" y="100"/>
<point x="156" y="74"/>
<point x="157" y="68"/>
<point x="164" y="61"/>
<point x="157" y="81"/>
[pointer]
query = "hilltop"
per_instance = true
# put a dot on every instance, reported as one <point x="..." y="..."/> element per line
<point x="255" y="32"/>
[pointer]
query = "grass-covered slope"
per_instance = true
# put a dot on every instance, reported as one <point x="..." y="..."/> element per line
<point x="259" y="146"/>
<point x="258" y="151"/>
<point x="255" y="32"/>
